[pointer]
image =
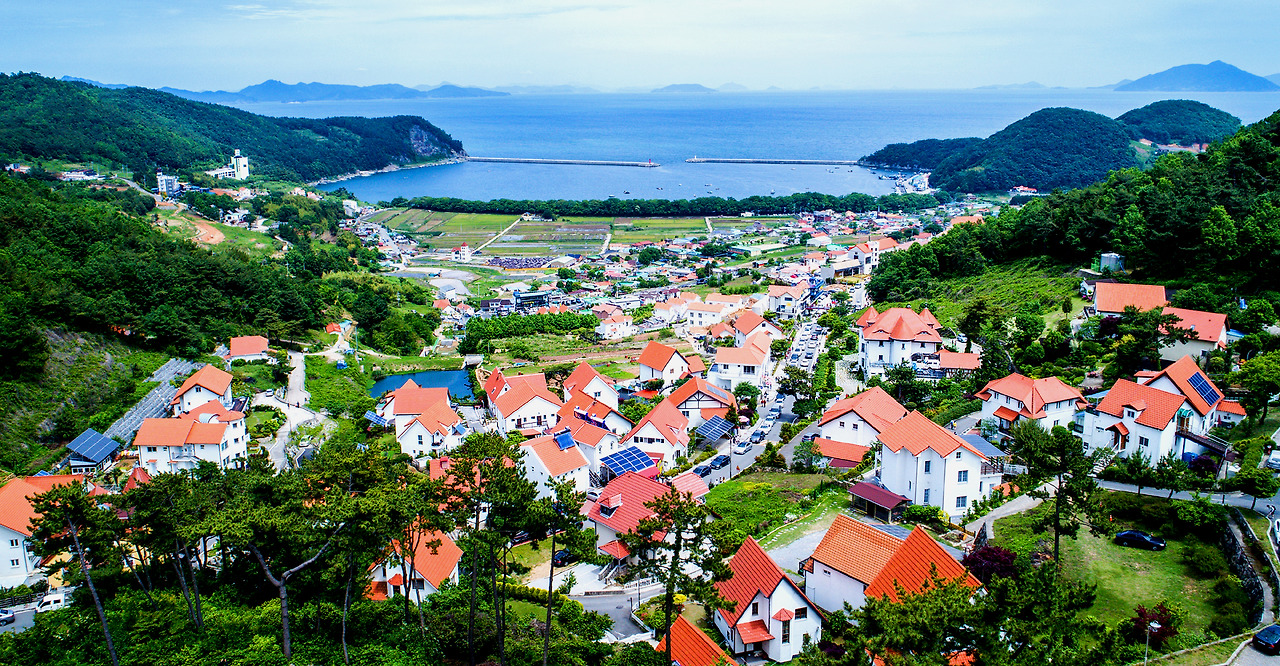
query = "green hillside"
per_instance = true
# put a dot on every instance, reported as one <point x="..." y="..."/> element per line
<point x="1051" y="148"/>
<point x="43" y="118"/>
<point x="923" y="154"/>
<point x="1180" y="121"/>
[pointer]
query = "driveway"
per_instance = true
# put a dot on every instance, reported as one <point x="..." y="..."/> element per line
<point x="24" y="619"/>
<point x="297" y="392"/>
<point x="789" y="556"/>
<point x="618" y="607"/>
<point x="1250" y="656"/>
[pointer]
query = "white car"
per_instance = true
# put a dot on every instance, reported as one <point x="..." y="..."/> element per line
<point x="742" y="448"/>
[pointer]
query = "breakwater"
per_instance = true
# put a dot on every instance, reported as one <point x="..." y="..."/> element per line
<point x="529" y="160"/>
<point x="732" y="160"/>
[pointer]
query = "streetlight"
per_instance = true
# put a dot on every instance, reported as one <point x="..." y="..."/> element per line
<point x="1152" y="627"/>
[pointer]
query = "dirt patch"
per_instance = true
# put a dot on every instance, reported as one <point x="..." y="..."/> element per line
<point x="208" y="234"/>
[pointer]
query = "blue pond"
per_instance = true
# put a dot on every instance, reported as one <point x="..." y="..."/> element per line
<point x="457" y="381"/>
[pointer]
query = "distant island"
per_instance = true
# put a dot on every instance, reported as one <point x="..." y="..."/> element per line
<point x="1059" y="147"/>
<point x="1029" y="85"/>
<point x="1216" y="76"/>
<point x="43" y="118"/>
<point x="277" y="91"/>
<point x="684" y="88"/>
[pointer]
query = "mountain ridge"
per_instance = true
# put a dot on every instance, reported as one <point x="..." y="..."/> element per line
<point x="1216" y="76"/>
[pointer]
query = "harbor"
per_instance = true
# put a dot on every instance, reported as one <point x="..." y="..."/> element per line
<point x="529" y="160"/>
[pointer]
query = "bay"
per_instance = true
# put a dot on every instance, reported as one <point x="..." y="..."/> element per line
<point x="668" y="128"/>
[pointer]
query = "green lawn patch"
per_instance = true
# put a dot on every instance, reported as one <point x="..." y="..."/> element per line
<point x="821" y="515"/>
<point x="1028" y="282"/>
<point x="751" y="507"/>
<point x="798" y="482"/>
<point x="528" y="556"/>
<point x="340" y="392"/>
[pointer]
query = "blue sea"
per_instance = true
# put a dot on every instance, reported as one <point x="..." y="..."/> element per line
<point x="669" y="128"/>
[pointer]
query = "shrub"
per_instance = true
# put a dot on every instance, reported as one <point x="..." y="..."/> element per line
<point x="990" y="561"/>
<point x="1203" y="559"/>
<point x="1229" y="620"/>
<point x="921" y="513"/>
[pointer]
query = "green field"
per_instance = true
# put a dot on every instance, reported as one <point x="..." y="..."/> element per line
<point x="656" y="229"/>
<point x="1008" y="287"/>
<point x="542" y="238"/>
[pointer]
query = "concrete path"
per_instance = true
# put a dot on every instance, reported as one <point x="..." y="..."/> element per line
<point x="297" y="392"/>
<point x="1014" y="506"/>
<point x="1247" y="655"/>
<point x="500" y="234"/>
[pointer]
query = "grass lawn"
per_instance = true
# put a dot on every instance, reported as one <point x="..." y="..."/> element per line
<point x="619" y="371"/>
<point x="1212" y="654"/>
<point x="338" y="391"/>
<point x="525" y="609"/>
<point x="822" y="515"/>
<point x="788" y="481"/>
<point x="413" y="363"/>
<point x="531" y="557"/>
<point x="253" y="243"/>
<point x="754" y="505"/>
<point x="1010" y="287"/>
<point x="261" y="376"/>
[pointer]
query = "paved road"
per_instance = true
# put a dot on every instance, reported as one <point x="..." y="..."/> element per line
<point x="618" y="607"/>
<point x="297" y="393"/>
<point x="1250" y="656"/>
<point x="25" y="619"/>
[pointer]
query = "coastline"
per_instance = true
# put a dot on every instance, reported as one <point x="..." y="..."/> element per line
<point x="387" y="169"/>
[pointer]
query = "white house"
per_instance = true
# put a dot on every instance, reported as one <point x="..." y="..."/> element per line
<point x="18" y="565"/>
<point x="932" y="466"/>
<point x="706" y="314"/>
<point x="247" y="348"/>
<point x="771" y="613"/>
<point x="555" y="458"/>
<point x="894" y="337"/>
<point x="663" y="434"/>
<point x="423" y="419"/>
<point x="581" y="406"/>
<point x="856" y="561"/>
<point x="787" y="302"/>
<point x="670" y="310"/>
<point x="620" y="509"/>
<point x="206" y="384"/>
<point x="1208" y="330"/>
<point x="659" y="361"/>
<point x="588" y="380"/>
<point x="868" y="254"/>
<point x="521" y="402"/>
<point x="1048" y="401"/>
<point x="699" y="400"/>
<point x="210" y="432"/>
<point x="750" y="323"/>
<point x="617" y="327"/>
<point x="859" y="419"/>
<point x="432" y="561"/>
<point x="735" y="365"/>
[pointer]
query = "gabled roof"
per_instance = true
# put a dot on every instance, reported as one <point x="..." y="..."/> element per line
<point x="247" y="345"/>
<point x="1115" y="296"/>
<point x="706" y="307"/>
<point x="669" y="422"/>
<point x="584" y="432"/>
<point x="627" y="494"/>
<point x="557" y="461"/>
<point x="856" y="549"/>
<point x="583" y="375"/>
<point x="1231" y="407"/>
<point x="839" y="451"/>
<point x="137" y="477"/>
<point x="749" y="321"/>
<point x="15" y="509"/>
<point x="912" y="566"/>
<point x="208" y="377"/>
<point x="720" y="330"/>
<point x="178" y="432"/>
<point x="437" y="418"/>
<point x="433" y="564"/>
<point x="522" y="393"/>
<point x="747" y="354"/>
<point x="210" y="410"/>
<point x="754" y="572"/>
<point x="777" y="291"/>
<point x="874" y="406"/>
<point x="867" y="315"/>
<point x="697" y="385"/>
<point x="691" y="647"/>
<point x="416" y="400"/>
<point x="1034" y="394"/>
<point x="1205" y="326"/>
<point x="915" y="432"/>
<point x="1157" y="408"/>
<point x="949" y="360"/>
<point x="1183" y="373"/>
<point x="900" y="324"/>
<point x="656" y="355"/>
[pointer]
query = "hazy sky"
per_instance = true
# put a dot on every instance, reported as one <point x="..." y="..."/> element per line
<point x="200" y="44"/>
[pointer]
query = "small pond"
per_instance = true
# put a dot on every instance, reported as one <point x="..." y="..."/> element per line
<point x="457" y="381"/>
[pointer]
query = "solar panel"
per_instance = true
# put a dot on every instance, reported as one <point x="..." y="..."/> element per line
<point x="714" y="428"/>
<point x="719" y="392"/>
<point x="630" y="459"/>
<point x="1204" y="388"/>
<point x="93" y="445"/>
<point x="375" y="419"/>
<point x="564" y="439"/>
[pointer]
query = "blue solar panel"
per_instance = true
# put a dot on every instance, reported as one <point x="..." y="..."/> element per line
<point x="630" y="459"/>
<point x="715" y="428"/>
<point x="1204" y="388"/>
<point x="375" y="419"/>
<point x="564" y="439"/>
<point x="719" y="392"/>
<point x="93" y="445"/>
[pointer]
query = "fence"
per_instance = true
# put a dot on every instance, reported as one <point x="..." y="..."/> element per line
<point x="21" y="600"/>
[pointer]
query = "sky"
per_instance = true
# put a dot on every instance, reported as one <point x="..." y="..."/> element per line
<point x="612" y="44"/>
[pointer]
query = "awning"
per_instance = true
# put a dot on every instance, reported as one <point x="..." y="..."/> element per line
<point x="616" y="550"/>
<point x="877" y="495"/>
<point x="784" y="614"/>
<point x="1120" y="428"/>
<point x="754" y="631"/>
<point x="395" y="580"/>
<point x="1005" y="413"/>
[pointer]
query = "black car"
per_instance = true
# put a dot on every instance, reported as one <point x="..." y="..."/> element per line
<point x="1136" y="539"/>
<point x="719" y="461"/>
<point x="1268" y="640"/>
<point x="702" y="471"/>
<point x="563" y="558"/>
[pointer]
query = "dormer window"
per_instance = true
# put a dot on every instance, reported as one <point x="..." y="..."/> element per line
<point x="1130" y="413"/>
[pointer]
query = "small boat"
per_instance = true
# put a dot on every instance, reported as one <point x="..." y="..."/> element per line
<point x="626" y="192"/>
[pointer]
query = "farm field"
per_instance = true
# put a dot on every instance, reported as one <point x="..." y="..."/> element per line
<point x="551" y="238"/>
<point x="635" y="230"/>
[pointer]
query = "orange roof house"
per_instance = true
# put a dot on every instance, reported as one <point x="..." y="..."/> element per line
<point x="766" y="607"/>
<point x="435" y="560"/>
<point x="874" y="406"/>
<point x="899" y="324"/>
<point x="246" y="346"/>
<point x="16" y="512"/>
<point x="621" y="508"/>
<point x="1031" y="398"/>
<point x="691" y="647"/>
<point x="207" y="383"/>
<point x="1111" y="298"/>
<point x="913" y="565"/>
<point x="916" y="433"/>
<point x="852" y="549"/>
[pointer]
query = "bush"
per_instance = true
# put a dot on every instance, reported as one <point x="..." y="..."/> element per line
<point x="1229" y="620"/>
<point x="920" y="513"/>
<point x="1203" y="559"/>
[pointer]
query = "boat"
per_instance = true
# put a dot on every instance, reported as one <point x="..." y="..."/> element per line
<point x="626" y="192"/>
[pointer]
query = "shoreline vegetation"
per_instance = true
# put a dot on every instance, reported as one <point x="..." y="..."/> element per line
<point x="390" y="168"/>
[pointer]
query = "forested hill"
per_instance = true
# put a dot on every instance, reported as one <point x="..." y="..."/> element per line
<point x="1051" y="148"/>
<point x="43" y="118"/>
<point x="924" y="154"/>
<point x="1180" y="121"/>
<point x="1208" y="222"/>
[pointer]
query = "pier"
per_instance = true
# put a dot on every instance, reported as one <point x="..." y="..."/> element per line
<point x="529" y="160"/>
<point x="726" y="160"/>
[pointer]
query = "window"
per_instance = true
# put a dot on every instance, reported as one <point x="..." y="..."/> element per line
<point x="881" y="357"/>
<point x="13" y="543"/>
<point x="962" y="501"/>
<point x="786" y="631"/>
<point x="14" y="563"/>
<point x="151" y="449"/>
<point x="802" y="612"/>
<point x="419" y="441"/>
<point x="1143" y="441"/>
<point x="826" y="572"/>
<point x="842" y="424"/>
<point x="962" y="476"/>
<point x="926" y="495"/>
<point x="755" y="608"/>
<point x="927" y="464"/>
<point x="855" y="425"/>
<point x="957" y="455"/>
<point x="1129" y="413"/>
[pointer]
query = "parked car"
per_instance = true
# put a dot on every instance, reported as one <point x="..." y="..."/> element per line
<point x="7" y="617"/>
<point x="742" y="448"/>
<point x="702" y="471"/>
<point x="1268" y="640"/>
<point x="719" y="461"/>
<point x="563" y="558"/>
<point x="51" y="602"/>
<point x="1273" y="460"/>
<point x="780" y="397"/>
<point x="1137" y="539"/>
<point x="809" y="437"/>
<point x="758" y="436"/>
<point x="593" y="494"/>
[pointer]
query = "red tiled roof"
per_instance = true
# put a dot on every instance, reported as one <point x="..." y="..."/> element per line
<point x="902" y="324"/>
<point x="1034" y="394"/>
<point x="522" y="393"/>
<point x="829" y="448"/>
<point x="696" y="364"/>
<point x="557" y="461"/>
<point x="1205" y="326"/>
<point x="1115" y="296"/>
<point x="616" y="550"/>
<point x="754" y="631"/>
<point x="247" y="345"/>
<point x="1159" y="407"/>
<point x="867" y="315"/>
<point x="582" y="375"/>
<point x="632" y="492"/>
<point x="1231" y="407"/>
<point x="877" y="495"/>
<point x="137" y="477"/>
<point x="16" y="512"/>
<point x="949" y="360"/>
<point x="874" y="406"/>
<point x="754" y="572"/>
<point x="691" y="647"/>
<point x="1119" y="427"/>
<point x="915" y="432"/>
<point x="656" y="355"/>
<point x="777" y="291"/>
<point x="669" y="422"/>
<point x="1180" y="374"/>
<point x="856" y="549"/>
<point x="1003" y="412"/>
<point x="911" y="567"/>
<point x="438" y="418"/>
<point x="177" y="432"/>
<point x="697" y="385"/>
<point x="213" y="408"/>
<point x="209" y="377"/>
<point x="586" y="433"/>
<point x="690" y="483"/>
<point x="415" y="400"/>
